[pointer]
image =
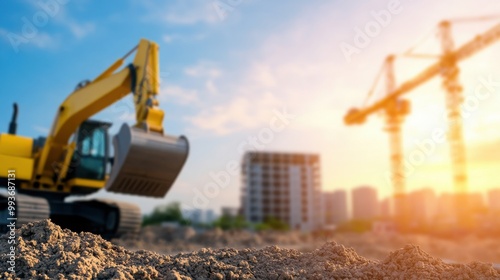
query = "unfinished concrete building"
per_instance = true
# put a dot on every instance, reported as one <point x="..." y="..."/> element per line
<point x="285" y="186"/>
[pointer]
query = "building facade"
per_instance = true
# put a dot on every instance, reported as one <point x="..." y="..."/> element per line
<point x="335" y="207"/>
<point x="230" y="211"/>
<point x="385" y="208"/>
<point x="422" y="206"/>
<point x="494" y="200"/>
<point x="364" y="203"/>
<point x="285" y="186"/>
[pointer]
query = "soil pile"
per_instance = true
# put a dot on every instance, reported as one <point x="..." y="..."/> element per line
<point x="45" y="251"/>
<point x="186" y="239"/>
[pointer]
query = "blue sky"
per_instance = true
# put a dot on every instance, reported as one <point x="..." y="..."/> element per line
<point x="225" y="76"/>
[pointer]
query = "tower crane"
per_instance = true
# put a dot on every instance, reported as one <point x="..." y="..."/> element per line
<point x="447" y="68"/>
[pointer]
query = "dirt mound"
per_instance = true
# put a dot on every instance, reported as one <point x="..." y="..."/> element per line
<point x="185" y="239"/>
<point x="45" y="251"/>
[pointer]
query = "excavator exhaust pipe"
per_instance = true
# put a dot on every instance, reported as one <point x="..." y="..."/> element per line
<point x="146" y="163"/>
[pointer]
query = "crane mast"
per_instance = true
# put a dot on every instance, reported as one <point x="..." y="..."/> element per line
<point x="394" y="121"/>
<point x="396" y="110"/>
<point x="454" y="98"/>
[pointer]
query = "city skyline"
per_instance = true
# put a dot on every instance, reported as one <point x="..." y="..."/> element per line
<point x="287" y="87"/>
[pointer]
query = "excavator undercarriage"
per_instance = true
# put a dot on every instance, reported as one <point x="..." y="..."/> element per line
<point x="108" y="218"/>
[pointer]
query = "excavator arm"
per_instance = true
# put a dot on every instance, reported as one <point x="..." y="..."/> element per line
<point x="147" y="162"/>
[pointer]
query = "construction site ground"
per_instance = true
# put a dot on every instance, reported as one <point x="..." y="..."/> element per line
<point x="369" y="245"/>
<point x="45" y="251"/>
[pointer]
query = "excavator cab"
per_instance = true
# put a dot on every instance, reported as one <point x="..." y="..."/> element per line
<point x="91" y="156"/>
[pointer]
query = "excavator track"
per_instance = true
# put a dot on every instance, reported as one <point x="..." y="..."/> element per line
<point x="129" y="218"/>
<point x="108" y="218"/>
<point x="28" y="209"/>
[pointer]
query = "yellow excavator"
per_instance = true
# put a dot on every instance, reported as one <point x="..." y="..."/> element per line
<point x="74" y="158"/>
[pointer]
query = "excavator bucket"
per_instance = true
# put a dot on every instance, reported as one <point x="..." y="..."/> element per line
<point x="146" y="163"/>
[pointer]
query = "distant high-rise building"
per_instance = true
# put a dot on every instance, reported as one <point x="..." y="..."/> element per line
<point x="475" y="202"/>
<point x="364" y="203"/>
<point x="230" y="211"/>
<point x="199" y="216"/>
<point x="334" y="207"/>
<point x="494" y="199"/>
<point x="385" y="208"/>
<point x="446" y="208"/>
<point x="210" y="216"/>
<point x="194" y="215"/>
<point x="285" y="186"/>
<point x="450" y="206"/>
<point x="422" y="206"/>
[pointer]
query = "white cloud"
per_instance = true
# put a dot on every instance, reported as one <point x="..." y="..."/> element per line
<point x="263" y="75"/>
<point x="61" y="17"/>
<point x="41" y="40"/>
<point x="80" y="30"/>
<point x="41" y="129"/>
<point x="167" y="39"/>
<point x="181" y="12"/>
<point x="45" y="41"/>
<point x="300" y="76"/>
<point x="237" y="114"/>
<point x="127" y="117"/>
<point x="203" y="69"/>
<point x="206" y="71"/>
<point x="210" y="86"/>
<point x="179" y="95"/>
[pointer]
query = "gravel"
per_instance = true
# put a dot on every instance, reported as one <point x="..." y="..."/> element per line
<point x="45" y="251"/>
